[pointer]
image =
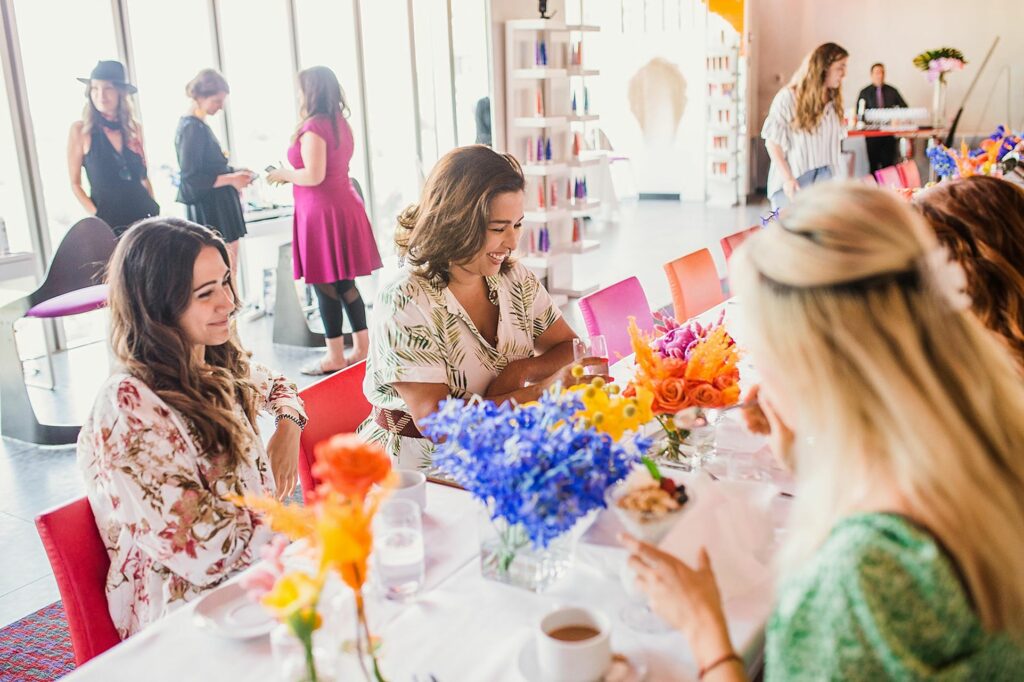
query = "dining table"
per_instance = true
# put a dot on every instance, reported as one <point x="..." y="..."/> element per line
<point x="461" y="626"/>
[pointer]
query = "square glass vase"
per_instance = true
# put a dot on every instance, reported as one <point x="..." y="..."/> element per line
<point x="507" y="555"/>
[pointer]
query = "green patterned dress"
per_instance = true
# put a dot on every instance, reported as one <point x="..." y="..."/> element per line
<point x="882" y="601"/>
<point x="421" y="333"/>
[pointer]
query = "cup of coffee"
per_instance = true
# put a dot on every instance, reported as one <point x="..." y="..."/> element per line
<point x="412" y="485"/>
<point x="574" y="645"/>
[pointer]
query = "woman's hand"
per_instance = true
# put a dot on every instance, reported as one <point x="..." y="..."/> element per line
<point x="240" y="179"/>
<point x="688" y="599"/>
<point x="791" y="187"/>
<point x="753" y="415"/>
<point x="780" y="437"/>
<point x="283" y="449"/>
<point x="278" y="176"/>
<point x="512" y="378"/>
<point x="567" y="378"/>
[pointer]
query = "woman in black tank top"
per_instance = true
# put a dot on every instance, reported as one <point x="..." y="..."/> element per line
<point x="108" y="142"/>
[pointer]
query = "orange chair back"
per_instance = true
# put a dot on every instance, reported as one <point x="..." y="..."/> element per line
<point x="693" y="281"/>
<point x="732" y="242"/>
<point x="335" y="404"/>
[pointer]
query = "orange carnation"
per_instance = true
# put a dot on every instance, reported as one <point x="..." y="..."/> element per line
<point x="348" y="465"/>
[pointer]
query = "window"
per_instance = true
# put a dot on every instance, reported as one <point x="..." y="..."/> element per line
<point x="161" y="82"/>
<point x="434" y="80"/>
<point x="12" y="198"/>
<point x="327" y="37"/>
<point x="470" y="32"/>
<point x="263" y="107"/>
<point x="390" y="111"/>
<point x="54" y="53"/>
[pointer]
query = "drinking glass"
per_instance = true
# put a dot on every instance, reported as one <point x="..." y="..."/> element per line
<point x="398" y="548"/>
<point x="597" y="347"/>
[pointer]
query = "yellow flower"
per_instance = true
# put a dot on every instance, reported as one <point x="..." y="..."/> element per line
<point x="295" y="521"/>
<point x="346" y="539"/>
<point x="293" y="592"/>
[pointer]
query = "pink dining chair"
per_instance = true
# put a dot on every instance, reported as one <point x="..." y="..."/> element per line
<point x="869" y="180"/>
<point x="335" y="404"/>
<point x="889" y="177"/>
<point x="80" y="564"/>
<point x="607" y="312"/>
<point x="693" y="281"/>
<point x="732" y="242"/>
<point x="910" y="175"/>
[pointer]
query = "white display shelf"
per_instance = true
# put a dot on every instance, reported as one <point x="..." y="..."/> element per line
<point x="575" y="291"/>
<point x="544" y="169"/>
<point x="723" y="153"/>
<point x="544" y="259"/>
<point x="538" y="73"/>
<point x="582" y="161"/>
<point x="536" y="25"/>
<point x="581" y="118"/>
<point x="581" y="209"/>
<point x="540" y="121"/>
<point x="544" y="215"/>
<point x="582" y="28"/>
<point x="580" y="71"/>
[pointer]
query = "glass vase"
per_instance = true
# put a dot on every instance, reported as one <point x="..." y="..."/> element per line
<point x="292" y="662"/>
<point x="507" y="555"/>
<point x="939" y="102"/>
<point x="691" y="444"/>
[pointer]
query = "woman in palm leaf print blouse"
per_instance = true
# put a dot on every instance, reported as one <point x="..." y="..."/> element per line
<point x="462" y="317"/>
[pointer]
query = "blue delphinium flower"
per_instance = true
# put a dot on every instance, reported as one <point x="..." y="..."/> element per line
<point x="533" y="465"/>
<point x="942" y="162"/>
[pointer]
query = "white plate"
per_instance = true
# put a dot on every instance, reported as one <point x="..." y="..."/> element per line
<point x="627" y="666"/>
<point x="229" y="612"/>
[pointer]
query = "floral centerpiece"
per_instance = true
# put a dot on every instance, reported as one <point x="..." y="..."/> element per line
<point x="998" y="154"/>
<point x="688" y="369"/>
<point x="336" y="525"/>
<point x="538" y="468"/>
<point x="936" y="64"/>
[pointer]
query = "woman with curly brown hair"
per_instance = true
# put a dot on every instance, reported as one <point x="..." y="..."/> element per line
<point x="173" y="430"/>
<point x="804" y="128"/>
<point x="981" y="221"/>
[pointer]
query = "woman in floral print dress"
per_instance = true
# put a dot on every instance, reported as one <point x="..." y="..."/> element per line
<point x="462" y="318"/>
<point x="173" y="430"/>
<point x="902" y="418"/>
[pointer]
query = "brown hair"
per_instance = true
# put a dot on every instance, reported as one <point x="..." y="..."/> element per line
<point x="125" y="116"/>
<point x="150" y="280"/>
<point x="321" y="96"/>
<point x="981" y="220"/>
<point x="811" y="94"/>
<point x="207" y="83"/>
<point x="449" y="224"/>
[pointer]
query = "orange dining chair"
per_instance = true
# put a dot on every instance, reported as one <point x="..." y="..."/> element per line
<point x="730" y="243"/>
<point x="693" y="281"/>
<point x="335" y="404"/>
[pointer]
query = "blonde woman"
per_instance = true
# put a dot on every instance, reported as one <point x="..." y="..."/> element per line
<point x="902" y="417"/>
<point x="107" y="141"/>
<point x="804" y="128"/>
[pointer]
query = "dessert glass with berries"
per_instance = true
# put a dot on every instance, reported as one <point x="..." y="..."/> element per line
<point x="648" y="504"/>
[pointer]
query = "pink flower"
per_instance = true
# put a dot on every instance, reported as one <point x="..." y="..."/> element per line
<point x="258" y="582"/>
<point x="272" y="551"/>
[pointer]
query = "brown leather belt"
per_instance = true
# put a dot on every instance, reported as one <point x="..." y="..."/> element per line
<point x="397" y="422"/>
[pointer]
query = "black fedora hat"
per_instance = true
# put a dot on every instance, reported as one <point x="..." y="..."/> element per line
<point x="110" y="71"/>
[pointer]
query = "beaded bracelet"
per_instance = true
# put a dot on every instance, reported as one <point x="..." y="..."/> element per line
<point x="298" y="421"/>
<point x="724" y="659"/>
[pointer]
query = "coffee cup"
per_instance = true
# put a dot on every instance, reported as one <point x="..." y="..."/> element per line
<point x="411" y="485"/>
<point x="573" y="645"/>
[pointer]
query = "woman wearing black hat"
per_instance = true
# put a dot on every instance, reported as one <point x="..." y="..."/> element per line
<point x="108" y="142"/>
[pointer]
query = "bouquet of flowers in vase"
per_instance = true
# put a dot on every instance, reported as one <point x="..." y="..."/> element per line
<point x="538" y="468"/>
<point x="336" y="525"/>
<point x="689" y="370"/>
<point x="937" y="63"/>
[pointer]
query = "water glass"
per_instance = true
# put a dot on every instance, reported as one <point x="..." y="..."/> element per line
<point x="398" y="548"/>
<point x="597" y="347"/>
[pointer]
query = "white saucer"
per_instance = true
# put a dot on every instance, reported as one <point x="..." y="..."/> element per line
<point x="627" y="666"/>
<point x="229" y="612"/>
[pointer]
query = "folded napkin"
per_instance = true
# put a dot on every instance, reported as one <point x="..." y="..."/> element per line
<point x="733" y="521"/>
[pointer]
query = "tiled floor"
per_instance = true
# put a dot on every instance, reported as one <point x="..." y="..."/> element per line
<point x="34" y="478"/>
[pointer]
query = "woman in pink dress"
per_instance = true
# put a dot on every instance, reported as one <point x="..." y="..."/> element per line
<point x="333" y="242"/>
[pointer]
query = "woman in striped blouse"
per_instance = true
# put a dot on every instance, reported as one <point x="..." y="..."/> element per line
<point x="804" y="128"/>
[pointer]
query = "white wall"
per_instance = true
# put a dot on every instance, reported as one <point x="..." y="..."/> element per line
<point x="893" y="32"/>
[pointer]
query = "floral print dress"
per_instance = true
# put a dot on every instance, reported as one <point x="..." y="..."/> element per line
<point x="421" y="333"/>
<point x="159" y="504"/>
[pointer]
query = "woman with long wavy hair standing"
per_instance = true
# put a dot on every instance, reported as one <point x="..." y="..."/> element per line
<point x="173" y="430"/>
<point x="804" y="128"/>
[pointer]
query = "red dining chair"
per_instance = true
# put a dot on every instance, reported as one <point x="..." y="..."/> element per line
<point x="80" y="564"/>
<point x="607" y="312"/>
<point x="693" y="281"/>
<point x="889" y="177"/>
<point x="910" y="175"/>
<point x="335" y="404"/>
<point x="732" y="242"/>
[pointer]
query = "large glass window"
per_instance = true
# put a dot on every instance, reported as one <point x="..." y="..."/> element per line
<point x="327" y="37"/>
<point x="472" y="66"/>
<point x="434" y="80"/>
<point x="12" y="198"/>
<point x="263" y="107"/>
<point x="161" y="82"/>
<point x="55" y="50"/>
<point x="391" y="111"/>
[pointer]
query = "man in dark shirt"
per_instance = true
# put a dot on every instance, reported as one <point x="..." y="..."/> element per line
<point x="882" y="151"/>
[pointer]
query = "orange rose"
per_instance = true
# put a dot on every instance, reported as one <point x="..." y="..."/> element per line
<point x="724" y="381"/>
<point x="670" y="396"/>
<point x="348" y="465"/>
<point x="706" y="395"/>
